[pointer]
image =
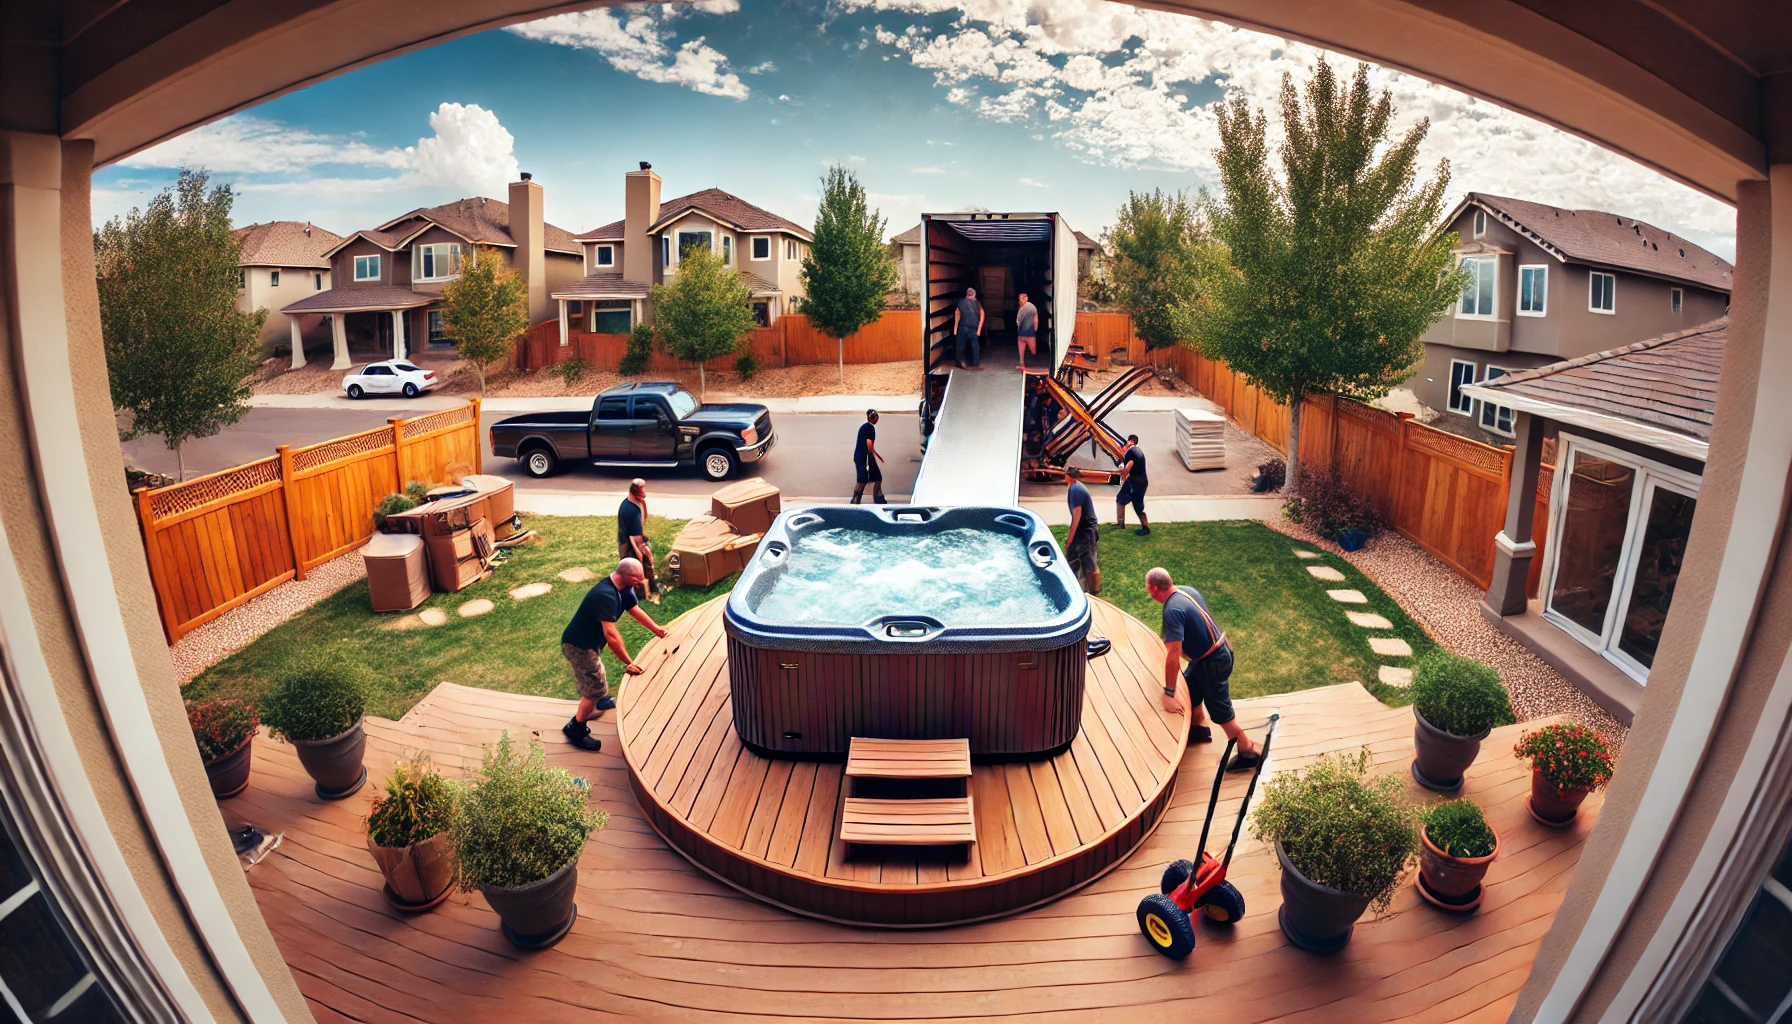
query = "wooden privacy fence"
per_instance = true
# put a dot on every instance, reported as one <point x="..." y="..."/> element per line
<point x="219" y="540"/>
<point x="790" y="341"/>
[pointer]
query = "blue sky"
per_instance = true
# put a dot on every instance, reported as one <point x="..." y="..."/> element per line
<point x="938" y="105"/>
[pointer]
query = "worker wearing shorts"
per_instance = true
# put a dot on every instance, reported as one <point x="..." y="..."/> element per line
<point x="1026" y="330"/>
<point x="593" y="628"/>
<point x="1189" y="632"/>
<point x="1133" y="484"/>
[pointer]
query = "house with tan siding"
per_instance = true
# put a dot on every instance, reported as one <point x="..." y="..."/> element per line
<point x="279" y="263"/>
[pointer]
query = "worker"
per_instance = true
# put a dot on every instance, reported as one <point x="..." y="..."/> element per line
<point x="865" y="459"/>
<point x="1132" y="486"/>
<point x="631" y="537"/>
<point x="1188" y="629"/>
<point x="967" y="327"/>
<point x="593" y="627"/>
<point x="1026" y="328"/>
<point x="1079" y="545"/>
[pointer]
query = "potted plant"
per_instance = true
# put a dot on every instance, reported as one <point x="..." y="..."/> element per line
<point x="1567" y="763"/>
<point x="1456" y="848"/>
<point x="1455" y="702"/>
<point x="1343" y="839"/>
<point x="318" y="710"/>
<point x="224" y="729"/>
<point x="518" y="833"/>
<point x="407" y="833"/>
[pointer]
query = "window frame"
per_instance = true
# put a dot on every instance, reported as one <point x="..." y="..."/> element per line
<point x="317" y="281"/>
<point x="1493" y="291"/>
<point x="1518" y="307"/>
<point x="753" y="248"/>
<point x="1487" y="374"/>
<point x="678" y="247"/>
<point x="1454" y="393"/>
<point x="427" y="253"/>
<point x="273" y="279"/>
<point x="727" y="250"/>
<point x="1592" y="277"/>
<point x="1677" y="300"/>
<point x="790" y="249"/>
<point x="610" y="307"/>
<point x="372" y="262"/>
<point x="1479" y="225"/>
<point x="603" y="255"/>
<point x="435" y="327"/>
<point x="666" y="250"/>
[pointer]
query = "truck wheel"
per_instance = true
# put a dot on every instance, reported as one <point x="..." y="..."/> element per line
<point x="540" y="462"/>
<point x="1166" y="927"/>
<point x="717" y="463"/>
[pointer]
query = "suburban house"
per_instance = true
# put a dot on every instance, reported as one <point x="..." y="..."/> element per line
<point x="281" y="262"/>
<point x="625" y="258"/>
<point x="908" y="263"/>
<point x="1548" y="284"/>
<point x="387" y="296"/>
<point x="1611" y="448"/>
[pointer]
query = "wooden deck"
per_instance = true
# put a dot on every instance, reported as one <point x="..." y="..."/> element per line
<point x="772" y="826"/>
<point x="655" y="937"/>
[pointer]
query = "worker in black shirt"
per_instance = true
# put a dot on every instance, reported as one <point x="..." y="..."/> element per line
<point x="631" y="537"/>
<point x="1132" y="486"/>
<point x="1189" y="631"/>
<point x="1079" y="544"/>
<point x="593" y="627"/>
<point x="865" y="459"/>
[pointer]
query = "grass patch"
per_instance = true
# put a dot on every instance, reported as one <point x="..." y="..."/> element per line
<point x="1286" y="633"/>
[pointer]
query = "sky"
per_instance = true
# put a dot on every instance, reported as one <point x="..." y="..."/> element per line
<point x="937" y="106"/>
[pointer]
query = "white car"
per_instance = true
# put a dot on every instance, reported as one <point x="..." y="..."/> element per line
<point x="390" y="377"/>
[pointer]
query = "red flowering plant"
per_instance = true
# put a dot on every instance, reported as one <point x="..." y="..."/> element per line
<point x="220" y="726"/>
<point x="1568" y="756"/>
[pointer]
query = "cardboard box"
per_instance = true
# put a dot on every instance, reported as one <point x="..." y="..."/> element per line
<point x="750" y="505"/>
<point x="458" y="558"/>
<point x="397" y="572"/>
<point x="709" y="549"/>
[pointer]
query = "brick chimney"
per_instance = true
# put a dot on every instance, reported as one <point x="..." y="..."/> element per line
<point x="640" y="208"/>
<point x="531" y="258"/>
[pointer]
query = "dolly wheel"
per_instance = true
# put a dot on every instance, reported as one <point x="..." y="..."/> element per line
<point x="1175" y="873"/>
<point x="1166" y="927"/>
<point x="1224" y="904"/>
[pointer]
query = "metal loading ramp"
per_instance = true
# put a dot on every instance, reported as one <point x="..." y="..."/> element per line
<point x="973" y="456"/>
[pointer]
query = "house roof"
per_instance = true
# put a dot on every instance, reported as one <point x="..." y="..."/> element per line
<point x="602" y="286"/>
<point x="1606" y="240"/>
<point x="285" y="243"/>
<point x="611" y="232"/>
<point x="480" y="221"/>
<point x="359" y="299"/>
<point x="913" y="237"/>
<point x="1661" y="392"/>
<point x="729" y="209"/>
<point x="758" y="285"/>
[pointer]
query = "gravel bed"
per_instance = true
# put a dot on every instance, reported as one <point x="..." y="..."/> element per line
<point x="242" y="625"/>
<point x="1448" y="608"/>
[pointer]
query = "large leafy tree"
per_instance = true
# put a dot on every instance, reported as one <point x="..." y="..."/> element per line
<point x="1157" y="248"/>
<point x="1335" y="267"/>
<point x="848" y="272"/>
<point x="487" y="310"/>
<point x="178" y="351"/>
<point x="705" y="312"/>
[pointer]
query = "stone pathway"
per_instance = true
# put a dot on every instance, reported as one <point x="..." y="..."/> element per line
<point x="577" y="574"/>
<point x="528" y="590"/>
<point x="476" y="607"/>
<point x="1383" y="646"/>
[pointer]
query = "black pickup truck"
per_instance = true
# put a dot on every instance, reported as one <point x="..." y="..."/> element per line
<point x="638" y="426"/>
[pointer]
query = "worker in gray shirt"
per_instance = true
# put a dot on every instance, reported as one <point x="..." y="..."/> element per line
<point x="1189" y="631"/>
<point x="967" y="327"/>
<point x="1026" y="328"/>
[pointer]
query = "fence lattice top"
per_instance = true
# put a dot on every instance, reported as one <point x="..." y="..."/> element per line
<point x="177" y="498"/>
<point x="1461" y="450"/>
<point x="341" y="448"/>
<point x="438" y="420"/>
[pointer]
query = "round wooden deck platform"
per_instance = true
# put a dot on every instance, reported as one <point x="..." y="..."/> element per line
<point x="769" y="827"/>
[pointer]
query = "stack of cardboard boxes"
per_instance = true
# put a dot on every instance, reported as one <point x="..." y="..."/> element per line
<point x="456" y="535"/>
<point x="718" y="545"/>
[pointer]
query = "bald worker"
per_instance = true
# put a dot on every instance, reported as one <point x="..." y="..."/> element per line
<point x="593" y="627"/>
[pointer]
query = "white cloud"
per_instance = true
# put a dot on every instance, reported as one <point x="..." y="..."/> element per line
<point x="762" y="68"/>
<point x="935" y="169"/>
<point x="1030" y="183"/>
<point x="638" y="41"/>
<point x="1113" y="83"/>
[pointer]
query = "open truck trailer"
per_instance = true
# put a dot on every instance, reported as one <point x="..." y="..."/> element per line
<point x="983" y="430"/>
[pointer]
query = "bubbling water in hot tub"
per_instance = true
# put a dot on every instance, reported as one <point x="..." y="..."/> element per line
<point x="961" y="577"/>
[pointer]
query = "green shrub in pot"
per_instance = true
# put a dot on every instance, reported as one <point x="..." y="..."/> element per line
<point x="318" y="708"/>
<point x="1456" y="702"/>
<point x="407" y="834"/>
<point x="1458" y="848"/>
<point x="1458" y="828"/>
<point x="224" y="731"/>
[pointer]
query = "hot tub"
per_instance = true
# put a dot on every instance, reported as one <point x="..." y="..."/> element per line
<point x="905" y="622"/>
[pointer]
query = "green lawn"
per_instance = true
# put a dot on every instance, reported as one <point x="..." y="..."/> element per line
<point x="1286" y="633"/>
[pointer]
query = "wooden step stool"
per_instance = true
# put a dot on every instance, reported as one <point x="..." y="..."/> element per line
<point x="933" y="821"/>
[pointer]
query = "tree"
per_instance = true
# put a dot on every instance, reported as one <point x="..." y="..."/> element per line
<point x="848" y="272"/>
<point x="487" y="310"/>
<point x="1333" y="270"/>
<point x="704" y="312"/>
<point x="178" y="351"/>
<point x="1158" y="246"/>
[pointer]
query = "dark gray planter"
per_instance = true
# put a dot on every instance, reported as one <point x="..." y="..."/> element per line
<point x="1439" y="757"/>
<point x="540" y="913"/>
<point x="229" y="774"/>
<point x="335" y="764"/>
<point x="1316" y="917"/>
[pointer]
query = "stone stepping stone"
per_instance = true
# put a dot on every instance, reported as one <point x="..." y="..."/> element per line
<point x="476" y="608"/>
<point x="408" y="622"/>
<point x="432" y="617"/>
<point x="528" y="590"/>
<point x="1298" y="553"/>
<point x="1347" y="596"/>
<point x="1368" y="620"/>
<point x="577" y="574"/>
<point x="1390" y="646"/>
<point x="1401" y="677"/>
<point x="1326" y="573"/>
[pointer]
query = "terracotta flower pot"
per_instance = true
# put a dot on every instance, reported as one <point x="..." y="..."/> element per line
<point x="229" y="773"/>
<point x="335" y="764"/>
<point x="1439" y="757"/>
<point x="1316" y="917"/>
<point x="418" y="876"/>
<point x="1553" y="806"/>
<point x="1453" y="883"/>
<point x="538" y="914"/>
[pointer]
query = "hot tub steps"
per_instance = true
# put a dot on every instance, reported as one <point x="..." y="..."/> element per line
<point x="945" y="821"/>
<point x="908" y="759"/>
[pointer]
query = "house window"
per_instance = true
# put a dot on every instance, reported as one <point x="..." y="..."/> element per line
<point x="688" y="240"/>
<point x="727" y="251"/>
<point x="437" y="262"/>
<point x="612" y="317"/>
<point x="317" y="282"/>
<point x="790" y="248"/>
<point x="762" y="313"/>
<point x="665" y="250"/>
<point x="1602" y="292"/>
<point x="1749" y="982"/>
<point x="273" y="279"/>
<point x="606" y="255"/>
<point x="1496" y="418"/>
<point x="1533" y="290"/>
<point x="242" y="278"/>
<point x="1675" y="295"/>
<point x="44" y="976"/>
<point x="762" y="247"/>
<point x="367" y="268"/>
<point x="1461" y="373"/>
<point x="1477" y="295"/>
<point x="438" y="328"/>
<point x="1618" y="530"/>
<point x="1480" y="223"/>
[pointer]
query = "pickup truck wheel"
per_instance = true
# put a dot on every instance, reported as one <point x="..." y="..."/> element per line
<point x="717" y="463"/>
<point x="540" y="462"/>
